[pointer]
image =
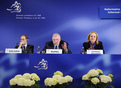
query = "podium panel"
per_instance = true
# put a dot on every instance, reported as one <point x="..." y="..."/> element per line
<point x="44" y="65"/>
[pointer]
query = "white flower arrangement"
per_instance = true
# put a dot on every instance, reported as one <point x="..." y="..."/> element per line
<point x="50" y="82"/>
<point x="58" y="73"/>
<point x="96" y="79"/>
<point x="25" y="81"/>
<point x="58" y="81"/>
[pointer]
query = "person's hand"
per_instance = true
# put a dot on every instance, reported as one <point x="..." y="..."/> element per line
<point x="21" y="43"/>
<point x="64" y="45"/>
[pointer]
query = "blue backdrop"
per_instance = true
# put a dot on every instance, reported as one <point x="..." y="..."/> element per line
<point x="74" y="65"/>
<point x="73" y="19"/>
<point x="10" y="65"/>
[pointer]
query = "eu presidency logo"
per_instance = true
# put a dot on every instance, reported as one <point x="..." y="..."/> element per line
<point x="15" y="8"/>
<point x="42" y="65"/>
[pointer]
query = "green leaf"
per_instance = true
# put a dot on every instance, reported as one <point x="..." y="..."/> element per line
<point x="94" y="87"/>
<point x="112" y="86"/>
<point x="60" y="85"/>
<point x="68" y="83"/>
<point x="82" y="83"/>
<point x="36" y="85"/>
<point x="87" y="85"/>
<point x="100" y="74"/>
<point x="14" y="86"/>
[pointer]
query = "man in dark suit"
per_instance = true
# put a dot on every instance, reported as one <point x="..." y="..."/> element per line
<point x="26" y="48"/>
<point x="57" y="43"/>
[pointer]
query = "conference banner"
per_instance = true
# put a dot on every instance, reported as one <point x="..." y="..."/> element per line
<point x="110" y="12"/>
<point x="73" y="20"/>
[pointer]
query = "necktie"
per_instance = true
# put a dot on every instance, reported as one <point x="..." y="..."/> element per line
<point x="55" y="47"/>
<point x="23" y="49"/>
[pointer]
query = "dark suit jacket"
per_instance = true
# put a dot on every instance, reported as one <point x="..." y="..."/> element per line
<point x="50" y="45"/>
<point x="99" y="46"/>
<point x="29" y="48"/>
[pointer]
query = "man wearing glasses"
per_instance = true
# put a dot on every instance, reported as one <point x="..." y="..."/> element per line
<point x="57" y="43"/>
<point x="26" y="48"/>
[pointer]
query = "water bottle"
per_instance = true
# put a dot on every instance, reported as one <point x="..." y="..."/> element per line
<point x="83" y="51"/>
<point x="38" y="49"/>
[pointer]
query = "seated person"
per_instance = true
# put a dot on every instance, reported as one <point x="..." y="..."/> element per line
<point x="92" y="42"/>
<point x="26" y="48"/>
<point x="57" y="43"/>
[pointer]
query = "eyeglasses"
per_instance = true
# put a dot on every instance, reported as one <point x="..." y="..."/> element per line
<point x="22" y="39"/>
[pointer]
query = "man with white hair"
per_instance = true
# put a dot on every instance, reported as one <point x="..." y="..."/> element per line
<point x="57" y="43"/>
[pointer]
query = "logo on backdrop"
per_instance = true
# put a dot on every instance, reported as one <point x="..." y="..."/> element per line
<point x="42" y="65"/>
<point x="15" y="8"/>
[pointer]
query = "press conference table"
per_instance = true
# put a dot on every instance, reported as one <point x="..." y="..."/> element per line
<point x="75" y="65"/>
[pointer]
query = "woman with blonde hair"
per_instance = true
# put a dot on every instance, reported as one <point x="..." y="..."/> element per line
<point x="92" y="42"/>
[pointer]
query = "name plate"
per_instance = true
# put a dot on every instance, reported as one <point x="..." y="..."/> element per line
<point x="13" y="50"/>
<point x="94" y="51"/>
<point x="53" y="51"/>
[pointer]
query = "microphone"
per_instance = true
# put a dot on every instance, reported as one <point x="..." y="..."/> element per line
<point x="16" y="44"/>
